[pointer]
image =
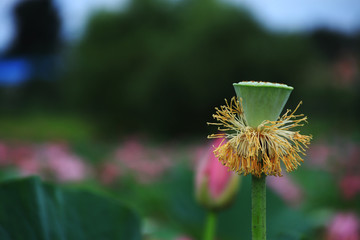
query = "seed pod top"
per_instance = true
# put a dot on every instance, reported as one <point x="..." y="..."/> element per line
<point x="262" y="100"/>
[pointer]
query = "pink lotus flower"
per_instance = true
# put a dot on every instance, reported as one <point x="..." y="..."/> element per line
<point x="215" y="185"/>
<point x="68" y="168"/>
<point x="50" y="160"/>
<point x="64" y="165"/>
<point x="344" y="226"/>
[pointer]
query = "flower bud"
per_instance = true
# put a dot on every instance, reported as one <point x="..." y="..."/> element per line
<point x="216" y="186"/>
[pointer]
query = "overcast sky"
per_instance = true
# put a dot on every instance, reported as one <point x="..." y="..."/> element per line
<point x="300" y="15"/>
<point x="276" y="15"/>
<point x="74" y="15"/>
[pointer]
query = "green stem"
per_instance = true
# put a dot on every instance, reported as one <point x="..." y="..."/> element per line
<point x="210" y="227"/>
<point x="258" y="192"/>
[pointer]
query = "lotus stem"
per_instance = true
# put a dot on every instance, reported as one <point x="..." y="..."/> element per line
<point x="210" y="227"/>
<point x="258" y="208"/>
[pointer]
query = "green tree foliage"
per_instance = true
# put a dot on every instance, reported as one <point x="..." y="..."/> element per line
<point x="161" y="67"/>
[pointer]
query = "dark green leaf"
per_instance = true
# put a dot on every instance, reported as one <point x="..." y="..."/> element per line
<point x="30" y="209"/>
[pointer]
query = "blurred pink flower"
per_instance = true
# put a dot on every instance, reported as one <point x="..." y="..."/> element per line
<point x="183" y="238"/>
<point x="131" y="152"/>
<point x="215" y="185"/>
<point x="4" y="154"/>
<point x="353" y="158"/>
<point x="54" y="160"/>
<point x="146" y="164"/>
<point x="18" y="153"/>
<point x="344" y="226"/>
<point x="25" y="159"/>
<point x="109" y="173"/>
<point x="68" y="168"/>
<point x="350" y="186"/>
<point x="319" y="155"/>
<point x="290" y="192"/>
<point x="64" y="165"/>
<point x="29" y="166"/>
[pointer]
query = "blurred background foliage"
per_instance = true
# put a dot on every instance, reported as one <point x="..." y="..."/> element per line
<point x="174" y="63"/>
<point x="160" y="67"/>
<point x="122" y="110"/>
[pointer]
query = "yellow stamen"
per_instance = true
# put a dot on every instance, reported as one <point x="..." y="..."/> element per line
<point x="258" y="150"/>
